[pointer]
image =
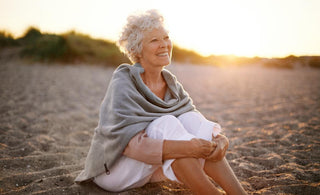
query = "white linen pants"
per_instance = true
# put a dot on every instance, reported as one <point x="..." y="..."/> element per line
<point x="128" y="173"/>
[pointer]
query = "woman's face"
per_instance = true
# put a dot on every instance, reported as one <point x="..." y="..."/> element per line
<point x="156" y="48"/>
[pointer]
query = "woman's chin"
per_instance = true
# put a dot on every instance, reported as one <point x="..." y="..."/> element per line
<point x="166" y="62"/>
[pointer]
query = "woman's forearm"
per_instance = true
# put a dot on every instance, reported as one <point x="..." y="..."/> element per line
<point x="195" y="148"/>
<point x="173" y="149"/>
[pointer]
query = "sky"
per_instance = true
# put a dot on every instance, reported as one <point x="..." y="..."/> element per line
<point x="265" y="28"/>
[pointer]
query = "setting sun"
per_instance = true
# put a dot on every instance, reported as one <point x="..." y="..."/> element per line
<point x="267" y="28"/>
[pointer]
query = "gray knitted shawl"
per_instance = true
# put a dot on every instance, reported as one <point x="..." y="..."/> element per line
<point x="128" y="107"/>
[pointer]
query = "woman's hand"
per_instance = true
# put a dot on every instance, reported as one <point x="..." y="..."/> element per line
<point x="201" y="148"/>
<point x="195" y="148"/>
<point x="222" y="144"/>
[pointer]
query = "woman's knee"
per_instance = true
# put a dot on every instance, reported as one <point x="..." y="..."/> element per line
<point x="196" y="124"/>
<point x="165" y="127"/>
<point x="192" y="121"/>
<point x="192" y="115"/>
<point x="167" y="119"/>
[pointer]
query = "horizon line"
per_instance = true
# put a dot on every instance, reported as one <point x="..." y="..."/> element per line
<point x="15" y="36"/>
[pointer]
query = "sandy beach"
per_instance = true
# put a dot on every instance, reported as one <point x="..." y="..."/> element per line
<point x="271" y="117"/>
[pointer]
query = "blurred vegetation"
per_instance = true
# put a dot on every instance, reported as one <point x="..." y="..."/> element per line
<point x="43" y="47"/>
<point x="74" y="47"/>
<point x="192" y="57"/>
<point x="30" y="36"/>
<point x="313" y="61"/>
<point x="7" y="40"/>
<point x="71" y="47"/>
<point x="292" y="61"/>
<point x="82" y="48"/>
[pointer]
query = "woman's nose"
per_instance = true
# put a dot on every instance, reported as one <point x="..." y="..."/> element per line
<point x="163" y="43"/>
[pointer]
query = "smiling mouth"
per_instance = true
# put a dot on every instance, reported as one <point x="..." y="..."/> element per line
<point x="165" y="54"/>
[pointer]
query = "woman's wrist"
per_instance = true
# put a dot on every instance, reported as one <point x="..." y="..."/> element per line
<point x="173" y="149"/>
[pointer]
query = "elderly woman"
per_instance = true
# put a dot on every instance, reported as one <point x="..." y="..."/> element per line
<point x="149" y="130"/>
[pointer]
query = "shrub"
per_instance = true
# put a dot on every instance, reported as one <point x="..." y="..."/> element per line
<point x="187" y="56"/>
<point x="84" y="48"/>
<point x="46" y="48"/>
<point x="278" y="63"/>
<point x="6" y="40"/>
<point x="314" y="62"/>
<point x="30" y="36"/>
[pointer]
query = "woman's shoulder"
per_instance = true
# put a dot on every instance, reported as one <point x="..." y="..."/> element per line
<point x="122" y="71"/>
<point x="168" y="73"/>
<point x="124" y="74"/>
<point x="120" y="80"/>
<point x="170" y="78"/>
<point x="127" y="68"/>
<point x="122" y="68"/>
<point x="128" y="71"/>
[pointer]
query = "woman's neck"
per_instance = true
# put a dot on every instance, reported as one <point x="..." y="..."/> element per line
<point x="155" y="82"/>
<point x="152" y="76"/>
<point x="152" y="79"/>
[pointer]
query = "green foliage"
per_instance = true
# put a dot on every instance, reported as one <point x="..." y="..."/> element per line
<point x="30" y="36"/>
<point x="46" y="48"/>
<point x="74" y="47"/>
<point x="71" y="47"/>
<point x="187" y="56"/>
<point x="230" y="60"/>
<point x="278" y="63"/>
<point x="291" y="62"/>
<point x="82" y="48"/>
<point x="43" y="47"/>
<point x="314" y="62"/>
<point x="192" y="57"/>
<point x="6" y="40"/>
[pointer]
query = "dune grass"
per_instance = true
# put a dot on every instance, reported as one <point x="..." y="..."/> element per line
<point x="82" y="48"/>
<point x="7" y="40"/>
<point x="73" y="47"/>
<point x="45" y="48"/>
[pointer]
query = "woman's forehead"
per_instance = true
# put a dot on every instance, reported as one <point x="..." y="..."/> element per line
<point x="155" y="32"/>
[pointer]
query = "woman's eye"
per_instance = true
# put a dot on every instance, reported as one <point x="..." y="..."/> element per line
<point x="167" y="38"/>
<point x="154" y="40"/>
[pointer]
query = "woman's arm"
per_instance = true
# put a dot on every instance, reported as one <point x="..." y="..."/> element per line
<point x="221" y="149"/>
<point x="155" y="151"/>
<point x="145" y="149"/>
<point x="195" y="148"/>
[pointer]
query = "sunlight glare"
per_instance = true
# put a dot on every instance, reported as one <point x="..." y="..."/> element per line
<point x="236" y="27"/>
<point x="218" y="31"/>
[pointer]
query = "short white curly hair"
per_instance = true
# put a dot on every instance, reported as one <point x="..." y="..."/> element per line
<point x="130" y="40"/>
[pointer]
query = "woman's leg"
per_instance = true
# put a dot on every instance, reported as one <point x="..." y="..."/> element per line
<point x="186" y="170"/>
<point x="222" y="173"/>
<point x="190" y="172"/>
<point x="196" y="124"/>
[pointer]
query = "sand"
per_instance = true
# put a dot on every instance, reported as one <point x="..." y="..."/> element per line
<point x="271" y="116"/>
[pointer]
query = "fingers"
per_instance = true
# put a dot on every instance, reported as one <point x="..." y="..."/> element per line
<point x="220" y="150"/>
<point x="214" y="154"/>
<point x="214" y="150"/>
<point x="214" y="144"/>
<point x="207" y="148"/>
<point x="202" y="148"/>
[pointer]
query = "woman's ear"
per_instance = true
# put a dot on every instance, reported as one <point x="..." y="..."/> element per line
<point x="138" y="55"/>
